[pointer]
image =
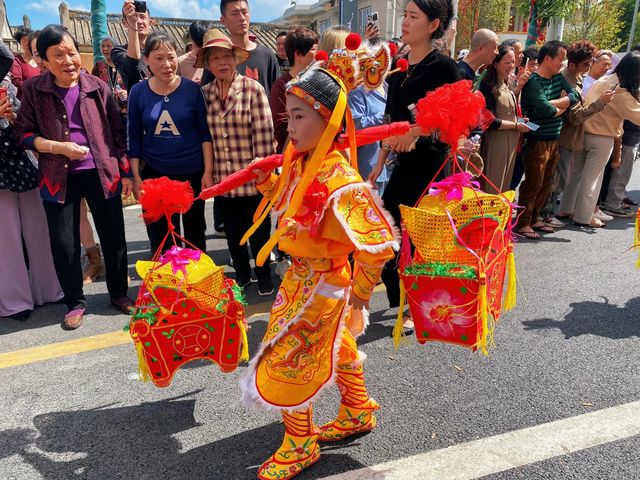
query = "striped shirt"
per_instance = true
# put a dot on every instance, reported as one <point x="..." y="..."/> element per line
<point x="241" y="128"/>
<point x="536" y="95"/>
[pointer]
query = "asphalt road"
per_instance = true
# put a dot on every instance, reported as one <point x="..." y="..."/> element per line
<point x="568" y="349"/>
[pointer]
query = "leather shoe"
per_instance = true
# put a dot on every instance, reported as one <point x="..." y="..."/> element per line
<point x="73" y="319"/>
<point x="125" y="304"/>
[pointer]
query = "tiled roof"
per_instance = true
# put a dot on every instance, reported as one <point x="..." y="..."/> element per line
<point x="80" y="26"/>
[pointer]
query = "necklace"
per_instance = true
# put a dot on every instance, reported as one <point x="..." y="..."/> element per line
<point x="168" y="91"/>
<point x="409" y="72"/>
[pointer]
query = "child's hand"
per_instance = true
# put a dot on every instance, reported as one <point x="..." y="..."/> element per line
<point x="357" y="303"/>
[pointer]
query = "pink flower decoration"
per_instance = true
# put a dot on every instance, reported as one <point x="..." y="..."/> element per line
<point x="279" y="300"/>
<point x="444" y="313"/>
<point x="179" y="258"/>
<point x="452" y="186"/>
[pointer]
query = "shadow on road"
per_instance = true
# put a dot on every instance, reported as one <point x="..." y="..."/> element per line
<point x="595" y="318"/>
<point x="137" y="442"/>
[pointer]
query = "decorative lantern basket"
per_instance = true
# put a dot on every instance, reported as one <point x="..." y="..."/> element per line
<point x="186" y="310"/>
<point x="454" y="279"/>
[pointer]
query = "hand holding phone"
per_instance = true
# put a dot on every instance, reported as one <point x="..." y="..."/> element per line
<point x="373" y="22"/>
<point x="140" y="6"/>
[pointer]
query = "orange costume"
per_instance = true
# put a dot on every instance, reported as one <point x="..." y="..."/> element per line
<point x="326" y="213"/>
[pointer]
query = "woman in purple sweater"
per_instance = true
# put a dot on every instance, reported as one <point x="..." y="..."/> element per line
<point x="71" y="119"/>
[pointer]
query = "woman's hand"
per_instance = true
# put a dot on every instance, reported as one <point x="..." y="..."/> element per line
<point x="127" y="186"/>
<point x="207" y="180"/>
<point x="6" y="109"/>
<point x="522" y="126"/>
<point x="72" y="150"/>
<point x="523" y="78"/>
<point x="137" y="186"/>
<point x="403" y="143"/>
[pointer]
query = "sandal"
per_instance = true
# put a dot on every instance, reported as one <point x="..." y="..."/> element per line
<point x="541" y="227"/>
<point x="529" y="235"/>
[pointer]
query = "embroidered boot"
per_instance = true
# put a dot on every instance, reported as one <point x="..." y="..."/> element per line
<point x="356" y="408"/>
<point x="298" y="451"/>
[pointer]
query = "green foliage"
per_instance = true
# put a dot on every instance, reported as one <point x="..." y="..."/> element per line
<point x="599" y="21"/>
<point x="494" y="14"/>
<point x="626" y="16"/>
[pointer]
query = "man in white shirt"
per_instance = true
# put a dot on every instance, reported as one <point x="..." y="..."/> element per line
<point x="186" y="62"/>
<point x="602" y="63"/>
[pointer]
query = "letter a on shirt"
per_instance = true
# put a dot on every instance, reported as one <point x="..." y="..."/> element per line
<point x="166" y="124"/>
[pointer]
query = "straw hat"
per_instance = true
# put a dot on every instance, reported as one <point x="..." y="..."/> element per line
<point x="215" y="38"/>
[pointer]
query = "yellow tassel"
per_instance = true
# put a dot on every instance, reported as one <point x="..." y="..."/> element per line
<point x="483" y="313"/>
<point x="510" y="296"/>
<point x="398" y="328"/>
<point x="244" y="353"/>
<point x="143" y="367"/>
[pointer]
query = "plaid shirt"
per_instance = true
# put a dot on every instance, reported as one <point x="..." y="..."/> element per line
<point x="241" y="129"/>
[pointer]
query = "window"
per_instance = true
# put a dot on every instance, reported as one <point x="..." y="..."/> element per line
<point x="324" y="25"/>
<point x="362" y="15"/>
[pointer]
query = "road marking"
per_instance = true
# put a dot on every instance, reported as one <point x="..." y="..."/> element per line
<point x="510" y="450"/>
<point x="97" y="342"/>
<point x="62" y="349"/>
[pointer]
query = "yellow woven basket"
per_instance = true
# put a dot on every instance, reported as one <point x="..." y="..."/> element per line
<point x="430" y="230"/>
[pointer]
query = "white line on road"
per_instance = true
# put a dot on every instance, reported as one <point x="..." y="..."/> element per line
<point x="510" y="450"/>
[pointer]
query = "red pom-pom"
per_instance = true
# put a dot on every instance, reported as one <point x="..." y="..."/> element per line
<point x="452" y="110"/>
<point x="353" y="41"/>
<point x="322" y="56"/>
<point x="393" y="49"/>
<point x="402" y="64"/>
<point x="162" y="197"/>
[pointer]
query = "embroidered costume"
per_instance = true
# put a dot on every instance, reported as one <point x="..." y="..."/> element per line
<point x="326" y="213"/>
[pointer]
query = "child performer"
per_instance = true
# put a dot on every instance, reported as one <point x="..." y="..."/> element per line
<point x="326" y="212"/>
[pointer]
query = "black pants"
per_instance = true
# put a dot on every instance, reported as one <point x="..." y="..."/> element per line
<point x="218" y="224"/>
<point x="237" y="215"/>
<point x="407" y="183"/>
<point x="63" y="220"/>
<point x="192" y="221"/>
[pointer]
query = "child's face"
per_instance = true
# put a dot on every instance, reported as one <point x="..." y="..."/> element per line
<point x="305" y="124"/>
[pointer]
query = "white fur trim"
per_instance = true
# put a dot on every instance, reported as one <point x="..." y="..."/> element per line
<point x="333" y="199"/>
<point x="251" y="397"/>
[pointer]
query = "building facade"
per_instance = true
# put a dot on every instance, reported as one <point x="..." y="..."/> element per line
<point x="326" y="13"/>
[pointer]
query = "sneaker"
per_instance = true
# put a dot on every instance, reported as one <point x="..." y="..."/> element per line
<point x="594" y="223"/>
<point x="265" y="287"/>
<point x="244" y="282"/>
<point x="603" y="217"/>
<point x="628" y="201"/>
<point x="553" y="222"/>
<point x="619" y="212"/>
<point x="282" y="267"/>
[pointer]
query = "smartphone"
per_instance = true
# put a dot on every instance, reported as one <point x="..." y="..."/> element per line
<point x="140" y="6"/>
<point x="532" y="126"/>
<point x="372" y="20"/>
<point x="614" y="87"/>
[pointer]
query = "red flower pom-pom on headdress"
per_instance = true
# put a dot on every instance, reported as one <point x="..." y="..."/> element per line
<point x="162" y="197"/>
